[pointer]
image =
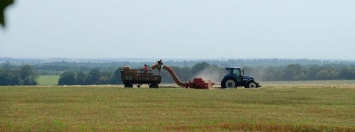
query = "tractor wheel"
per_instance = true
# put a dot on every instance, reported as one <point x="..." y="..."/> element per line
<point x="229" y="83"/>
<point x="153" y="85"/>
<point x="128" y="85"/>
<point x="139" y="85"/>
<point x="251" y="85"/>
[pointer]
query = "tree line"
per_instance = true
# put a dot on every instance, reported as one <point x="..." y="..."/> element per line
<point x="93" y="77"/>
<point x="297" y="72"/>
<point x="291" y="72"/>
<point x="24" y="75"/>
<point x="58" y="66"/>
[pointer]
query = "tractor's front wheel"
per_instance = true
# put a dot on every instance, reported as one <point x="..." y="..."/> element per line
<point x="251" y="85"/>
<point x="229" y="83"/>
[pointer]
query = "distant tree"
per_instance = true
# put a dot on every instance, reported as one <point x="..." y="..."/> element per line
<point x="7" y="65"/>
<point x="27" y="75"/>
<point x="327" y="73"/>
<point x="253" y="71"/>
<point x="116" y="77"/>
<point x="347" y="72"/>
<point x="294" y="72"/>
<point x="93" y="77"/>
<point x="272" y="74"/>
<point x="199" y="67"/>
<point x="105" y="78"/>
<point x="312" y="72"/>
<point x="81" y="78"/>
<point x="67" y="78"/>
<point x="9" y="77"/>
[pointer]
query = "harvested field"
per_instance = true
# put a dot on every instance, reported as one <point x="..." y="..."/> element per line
<point x="275" y="107"/>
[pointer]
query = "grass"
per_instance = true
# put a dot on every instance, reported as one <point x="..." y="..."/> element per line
<point x="48" y="80"/>
<point x="310" y="84"/>
<point x="112" y="108"/>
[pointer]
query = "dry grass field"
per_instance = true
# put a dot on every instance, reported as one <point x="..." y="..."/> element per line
<point x="277" y="106"/>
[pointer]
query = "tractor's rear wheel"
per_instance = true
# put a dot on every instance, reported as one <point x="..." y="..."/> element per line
<point x="229" y="83"/>
<point x="251" y="85"/>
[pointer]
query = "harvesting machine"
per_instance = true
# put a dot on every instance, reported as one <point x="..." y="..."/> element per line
<point x="197" y="83"/>
<point x="235" y="77"/>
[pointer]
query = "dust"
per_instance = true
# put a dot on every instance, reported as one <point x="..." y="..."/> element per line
<point x="215" y="75"/>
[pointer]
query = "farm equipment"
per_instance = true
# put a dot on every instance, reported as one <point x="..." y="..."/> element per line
<point x="197" y="83"/>
<point x="235" y="78"/>
<point x="139" y="77"/>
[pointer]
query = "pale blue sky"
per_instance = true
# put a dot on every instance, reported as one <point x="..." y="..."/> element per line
<point x="313" y="29"/>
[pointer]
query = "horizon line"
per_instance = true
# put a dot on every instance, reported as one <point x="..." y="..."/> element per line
<point x="169" y="59"/>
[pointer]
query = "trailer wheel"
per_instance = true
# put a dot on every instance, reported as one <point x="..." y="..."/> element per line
<point x="139" y="85"/>
<point x="128" y="85"/>
<point x="229" y="83"/>
<point x="153" y="85"/>
<point x="251" y="85"/>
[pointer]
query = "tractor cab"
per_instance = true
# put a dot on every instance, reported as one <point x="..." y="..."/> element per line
<point x="235" y="77"/>
<point x="236" y="72"/>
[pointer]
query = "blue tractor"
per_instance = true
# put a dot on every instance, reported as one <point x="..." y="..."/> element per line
<point x="235" y="78"/>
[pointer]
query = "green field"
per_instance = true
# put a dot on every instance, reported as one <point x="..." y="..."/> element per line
<point x="278" y="106"/>
<point x="48" y="80"/>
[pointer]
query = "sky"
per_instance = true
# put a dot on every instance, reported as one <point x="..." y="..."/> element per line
<point x="194" y="29"/>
